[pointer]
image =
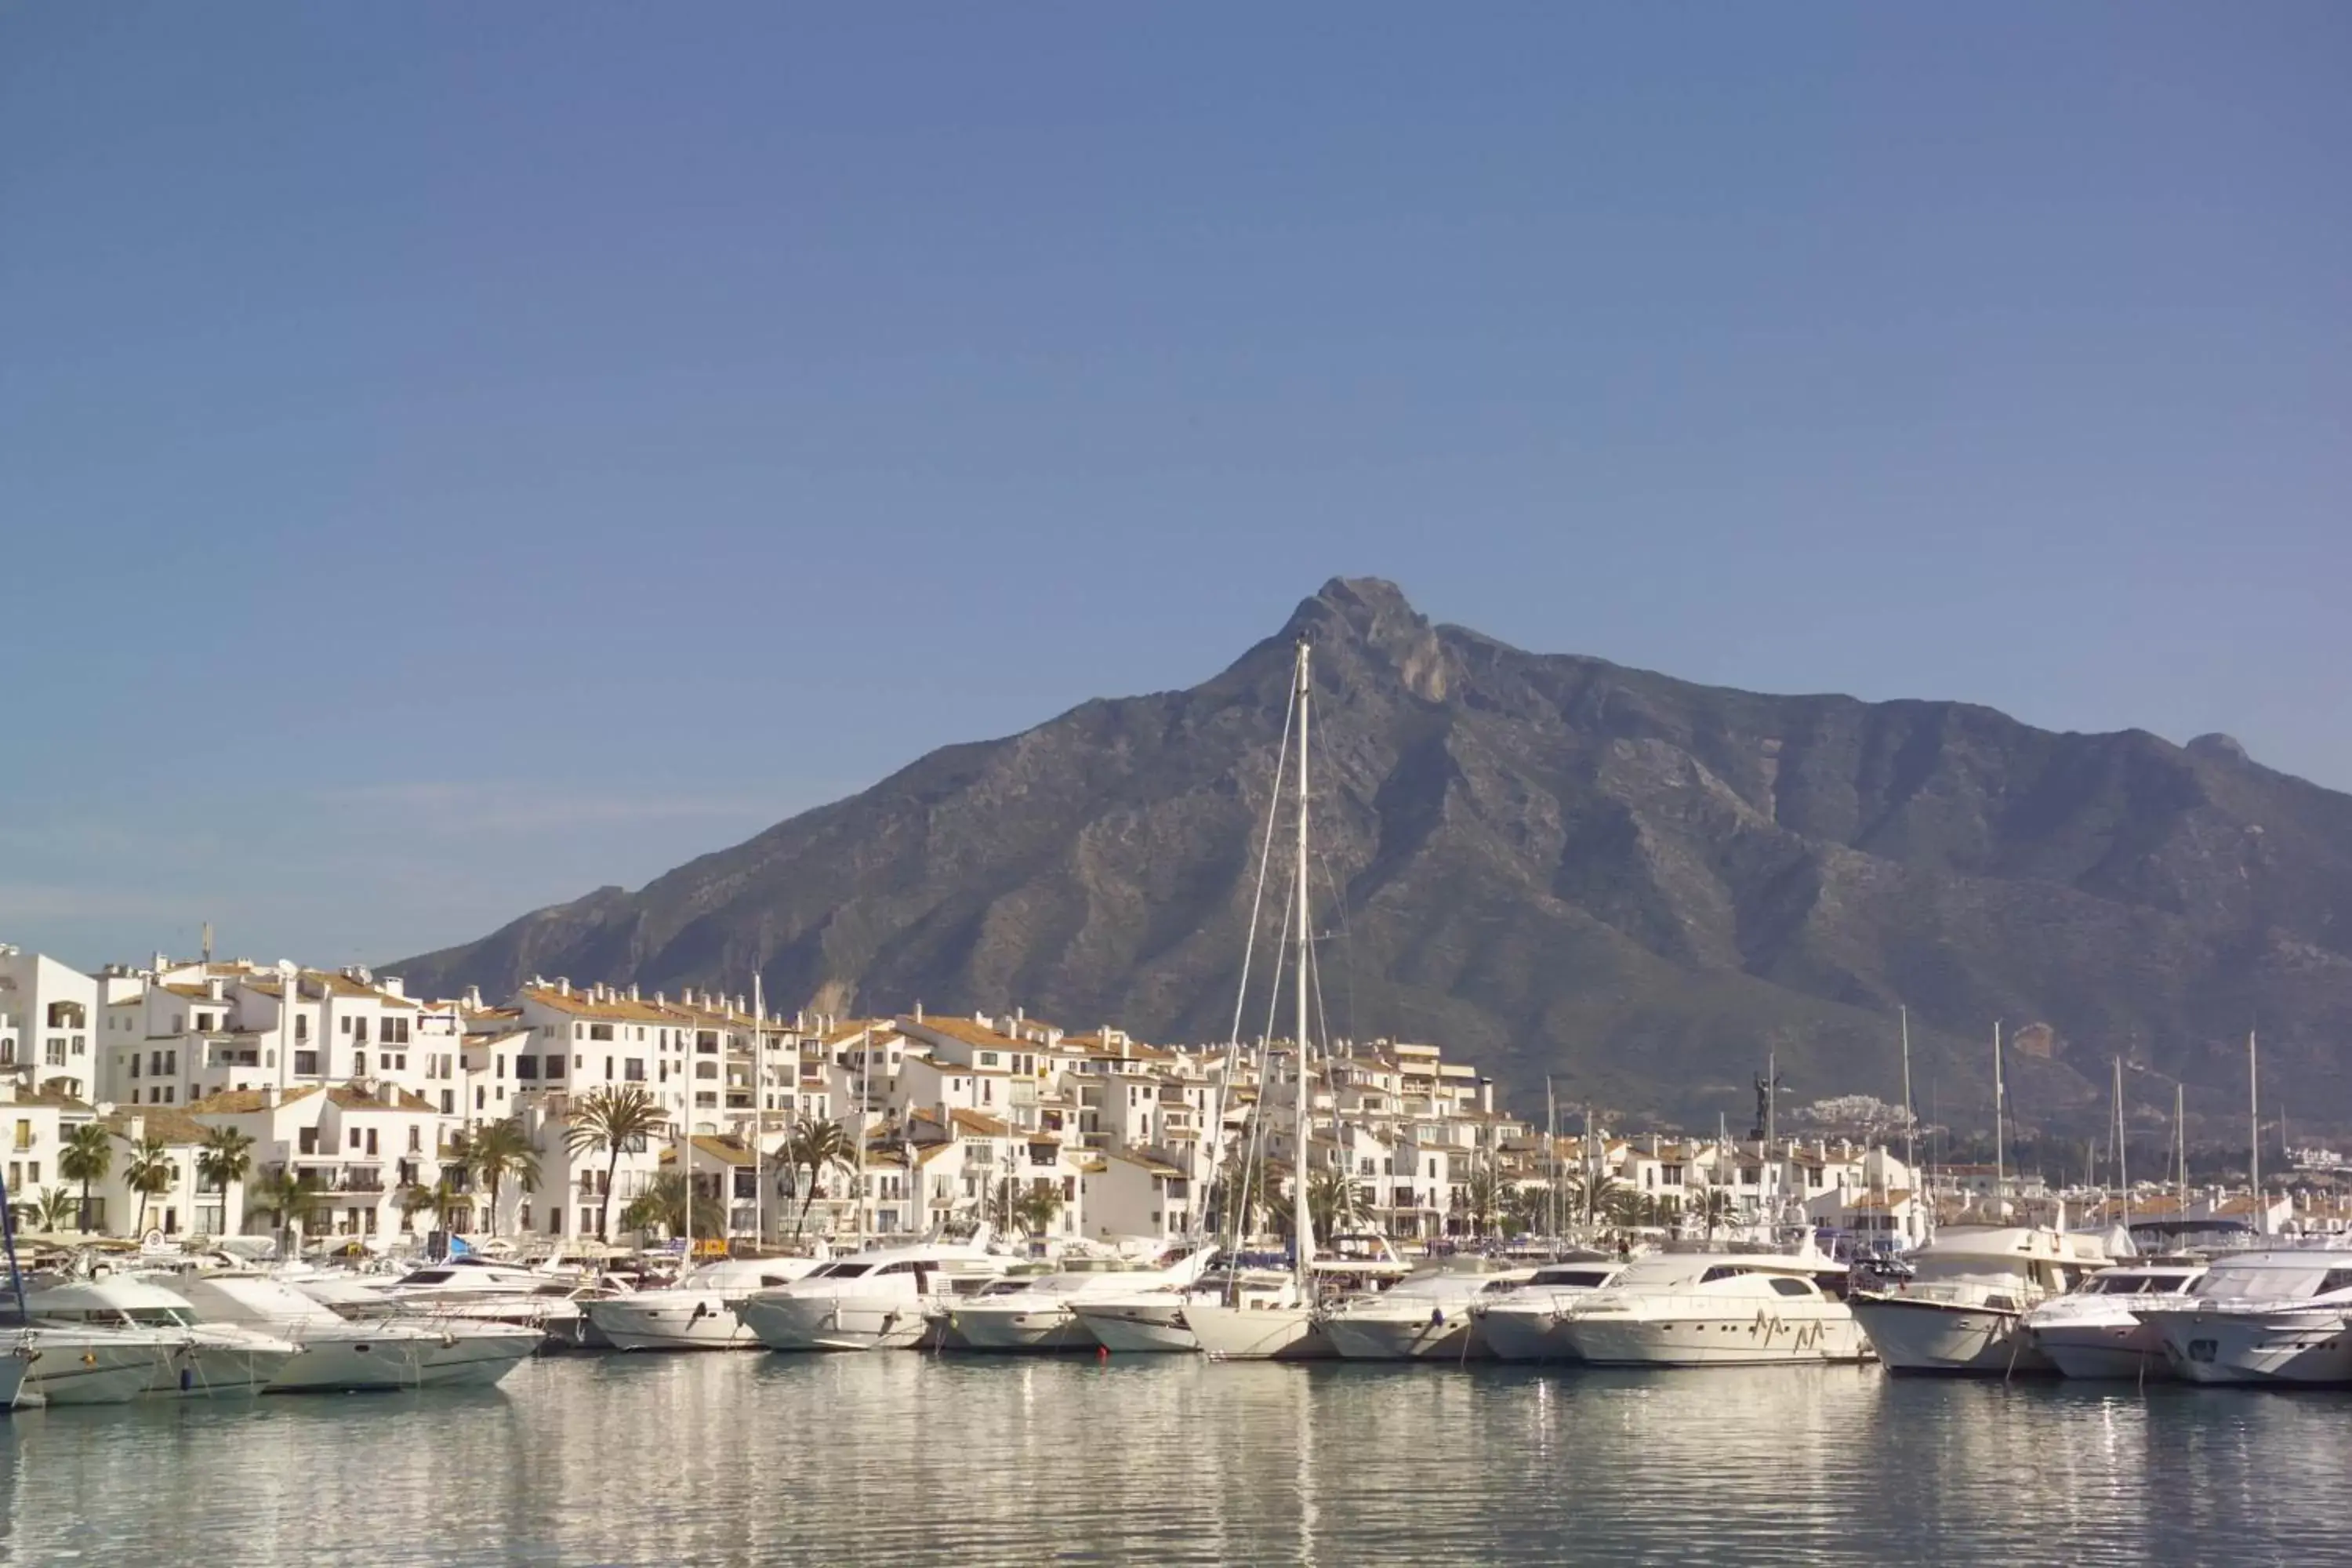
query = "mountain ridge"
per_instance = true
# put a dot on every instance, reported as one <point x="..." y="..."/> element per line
<point x="1556" y="865"/>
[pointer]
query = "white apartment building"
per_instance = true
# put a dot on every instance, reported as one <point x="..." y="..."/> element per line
<point x="48" y="1016"/>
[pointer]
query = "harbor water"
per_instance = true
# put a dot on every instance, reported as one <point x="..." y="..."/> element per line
<point x="725" y="1459"/>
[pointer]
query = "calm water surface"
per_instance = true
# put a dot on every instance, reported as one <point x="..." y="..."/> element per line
<point x="767" y="1458"/>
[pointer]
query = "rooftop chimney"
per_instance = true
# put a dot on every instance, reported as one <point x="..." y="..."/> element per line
<point x="563" y="985"/>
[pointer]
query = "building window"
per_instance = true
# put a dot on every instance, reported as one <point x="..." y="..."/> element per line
<point x="306" y="1141"/>
<point x="306" y="1062"/>
<point x="55" y="1052"/>
<point x="301" y="1025"/>
<point x="555" y="1067"/>
<point x="600" y="1031"/>
<point x="359" y="1064"/>
<point x="634" y="1069"/>
<point x="526" y="1066"/>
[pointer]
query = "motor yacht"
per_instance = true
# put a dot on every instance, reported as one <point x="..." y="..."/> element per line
<point x="2097" y="1331"/>
<point x="485" y="1290"/>
<point x="698" y="1311"/>
<point x="1520" y="1319"/>
<point x="354" y="1355"/>
<point x="1717" y="1308"/>
<point x="68" y="1365"/>
<point x="877" y="1300"/>
<point x="189" y="1359"/>
<point x="2282" y="1317"/>
<point x="1963" y="1309"/>
<point x="1425" y="1316"/>
<point x="1040" y="1313"/>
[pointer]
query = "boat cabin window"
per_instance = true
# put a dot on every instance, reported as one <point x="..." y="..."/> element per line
<point x="773" y="1279"/>
<point x="1999" y="1302"/>
<point x="428" y="1276"/>
<point x="841" y="1271"/>
<point x="1583" y="1278"/>
<point x="2337" y="1279"/>
<point x="1721" y="1271"/>
<point x="1784" y="1286"/>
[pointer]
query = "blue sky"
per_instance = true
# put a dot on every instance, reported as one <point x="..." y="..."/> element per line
<point x="452" y="457"/>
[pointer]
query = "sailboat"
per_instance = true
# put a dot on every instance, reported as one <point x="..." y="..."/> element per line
<point x="1281" y="1322"/>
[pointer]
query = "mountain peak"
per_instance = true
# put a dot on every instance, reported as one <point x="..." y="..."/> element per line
<point x="1640" y="885"/>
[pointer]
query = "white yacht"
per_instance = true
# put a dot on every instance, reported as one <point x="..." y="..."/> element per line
<point x="1426" y="1316"/>
<point x="876" y="1300"/>
<point x="1040" y="1313"/>
<point x="1963" y="1309"/>
<point x="698" y="1311"/>
<point x="188" y="1359"/>
<point x="67" y="1366"/>
<point x="1716" y="1309"/>
<point x="485" y="1290"/>
<point x="346" y="1355"/>
<point x="1150" y="1320"/>
<point x="1265" y="1314"/>
<point x="2097" y="1331"/>
<point x="2262" y="1317"/>
<point x="1521" y="1320"/>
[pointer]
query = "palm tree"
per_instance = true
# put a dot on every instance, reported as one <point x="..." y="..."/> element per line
<point x="87" y="1155"/>
<point x="288" y="1198"/>
<point x="1332" y="1200"/>
<point x="817" y="1147"/>
<point x="662" y="1203"/>
<point x="56" y="1210"/>
<point x="1242" y="1192"/>
<point x="224" y="1159"/>
<point x="607" y="1122"/>
<point x="150" y="1173"/>
<point x="448" y="1205"/>
<point x="1036" y="1207"/>
<point x="1485" y="1192"/>
<point x="500" y="1150"/>
<point x="1595" y="1191"/>
<point x="414" y="1199"/>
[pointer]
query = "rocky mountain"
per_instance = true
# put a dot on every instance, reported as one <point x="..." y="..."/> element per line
<point x="1559" y="866"/>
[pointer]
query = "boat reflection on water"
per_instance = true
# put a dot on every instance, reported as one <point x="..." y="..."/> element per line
<point x="1180" y="1460"/>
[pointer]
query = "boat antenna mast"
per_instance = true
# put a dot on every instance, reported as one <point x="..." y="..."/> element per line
<point x="1302" y="1216"/>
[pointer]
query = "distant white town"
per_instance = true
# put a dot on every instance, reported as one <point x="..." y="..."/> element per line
<point x="204" y="1097"/>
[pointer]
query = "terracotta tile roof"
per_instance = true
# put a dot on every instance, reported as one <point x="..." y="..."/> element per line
<point x="970" y="1031"/>
<point x="171" y="1124"/>
<point x="344" y="1097"/>
<point x="56" y="1097"/>
<point x="245" y="1102"/>
<point x="727" y="1150"/>
<point x="615" y="1009"/>
<point x="978" y="1125"/>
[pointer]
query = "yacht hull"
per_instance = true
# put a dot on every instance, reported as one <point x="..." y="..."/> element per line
<point x="225" y="1371"/>
<point x="701" y="1322"/>
<point x="1258" y="1333"/>
<point x="479" y="1360"/>
<point x="1525" y="1336"/>
<point x="1042" y="1330"/>
<point x="13" y="1367"/>
<point x="1757" y="1339"/>
<point x="2104" y="1350"/>
<point x="1921" y="1336"/>
<point x="836" y="1322"/>
<point x="89" y="1373"/>
<point x="1136" y="1329"/>
<point x="2304" y="1349"/>
<point x="1366" y="1338"/>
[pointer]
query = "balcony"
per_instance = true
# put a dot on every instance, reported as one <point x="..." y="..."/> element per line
<point x="341" y="1178"/>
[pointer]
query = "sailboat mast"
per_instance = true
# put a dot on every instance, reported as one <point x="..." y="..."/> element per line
<point x="2254" y="1146"/>
<point x="759" y="1117"/>
<point x="2181" y="1147"/>
<point x="1302" y="1216"/>
<point x="2123" y="1167"/>
<point x="1551" y="1166"/>
<point x="1910" y="1122"/>
<point x="2000" y="1159"/>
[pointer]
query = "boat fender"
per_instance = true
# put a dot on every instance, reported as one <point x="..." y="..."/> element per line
<point x="187" y="1378"/>
<point x="1437" y="1317"/>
